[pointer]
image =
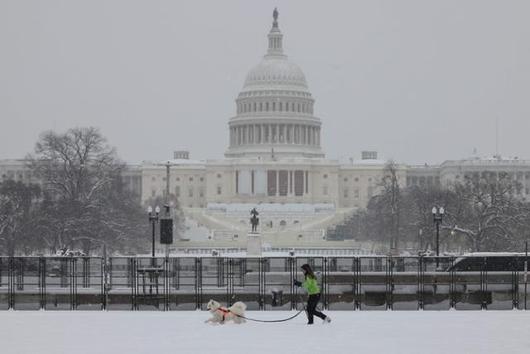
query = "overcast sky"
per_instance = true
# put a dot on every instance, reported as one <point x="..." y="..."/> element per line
<point x="417" y="80"/>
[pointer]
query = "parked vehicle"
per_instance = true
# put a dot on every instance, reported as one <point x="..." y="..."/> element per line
<point x="491" y="262"/>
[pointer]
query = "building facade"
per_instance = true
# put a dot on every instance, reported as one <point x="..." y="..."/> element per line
<point x="275" y="162"/>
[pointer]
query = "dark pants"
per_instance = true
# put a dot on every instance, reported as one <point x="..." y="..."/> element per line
<point x="311" y="308"/>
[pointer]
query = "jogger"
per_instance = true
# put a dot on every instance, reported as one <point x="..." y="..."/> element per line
<point x="313" y="290"/>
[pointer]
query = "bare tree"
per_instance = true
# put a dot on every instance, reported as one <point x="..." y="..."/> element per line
<point x="17" y="204"/>
<point x="86" y="205"/>
<point x="487" y="212"/>
<point x="75" y="166"/>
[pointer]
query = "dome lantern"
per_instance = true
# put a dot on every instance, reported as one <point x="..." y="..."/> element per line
<point x="275" y="37"/>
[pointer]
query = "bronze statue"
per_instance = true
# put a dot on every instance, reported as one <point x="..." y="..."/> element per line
<point x="275" y="14"/>
<point x="254" y="220"/>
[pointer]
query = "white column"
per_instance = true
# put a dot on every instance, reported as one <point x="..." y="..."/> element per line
<point x="277" y="182"/>
<point x="297" y="134"/>
<point x="288" y="183"/>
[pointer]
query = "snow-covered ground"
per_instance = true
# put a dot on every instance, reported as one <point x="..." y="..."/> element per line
<point x="446" y="332"/>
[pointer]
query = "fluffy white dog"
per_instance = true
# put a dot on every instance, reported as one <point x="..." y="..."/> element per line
<point x="222" y="314"/>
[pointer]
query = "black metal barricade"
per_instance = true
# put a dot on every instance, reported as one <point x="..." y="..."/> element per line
<point x="263" y="283"/>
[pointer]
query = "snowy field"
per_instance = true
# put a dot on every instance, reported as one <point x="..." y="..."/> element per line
<point x="446" y="332"/>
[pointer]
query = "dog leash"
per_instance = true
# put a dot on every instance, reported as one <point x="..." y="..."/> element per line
<point x="273" y="321"/>
<point x="270" y="321"/>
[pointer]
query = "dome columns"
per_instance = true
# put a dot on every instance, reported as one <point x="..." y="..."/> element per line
<point x="289" y="104"/>
<point x="274" y="133"/>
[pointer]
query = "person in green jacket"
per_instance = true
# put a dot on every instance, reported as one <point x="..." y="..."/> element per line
<point x="313" y="290"/>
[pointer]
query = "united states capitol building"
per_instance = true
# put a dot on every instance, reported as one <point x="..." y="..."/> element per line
<point x="276" y="163"/>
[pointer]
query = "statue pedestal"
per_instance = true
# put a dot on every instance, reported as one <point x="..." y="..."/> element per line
<point x="253" y="244"/>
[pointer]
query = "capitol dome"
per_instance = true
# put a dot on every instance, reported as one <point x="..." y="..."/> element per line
<point x="275" y="71"/>
<point x="275" y="109"/>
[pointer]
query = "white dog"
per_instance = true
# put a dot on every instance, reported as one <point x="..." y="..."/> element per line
<point x="222" y="314"/>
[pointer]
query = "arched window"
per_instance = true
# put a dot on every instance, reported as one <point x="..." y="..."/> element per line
<point x="286" y="106"/>
<point x="299" y="108"/>
<point x="281" y="106"/>
<point x="260" y="106"/>
<point x="267" y="106"/>
<point x="255" y="107"/>
<point x="274" y="106"/>
<point x="292" y="106"/>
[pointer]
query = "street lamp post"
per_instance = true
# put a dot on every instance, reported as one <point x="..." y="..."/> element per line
<point x="437" y="214"/>
<point x="153" y="218"/>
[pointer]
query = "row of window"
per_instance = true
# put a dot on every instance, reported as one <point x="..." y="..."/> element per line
<point x="274" y="107"/>
<point x="273" y="93"/>
<point x="19" y="176"/>
<point x="356" y="179"/>
<point x="356" y="193"/>
<point x="423" y="180"/>
<point x="190" y="194"/>
<point x="190" y="179"/>
<point x="490" y="174"/>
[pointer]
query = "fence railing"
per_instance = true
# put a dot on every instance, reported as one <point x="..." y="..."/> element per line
<point x="188" y="283"/>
